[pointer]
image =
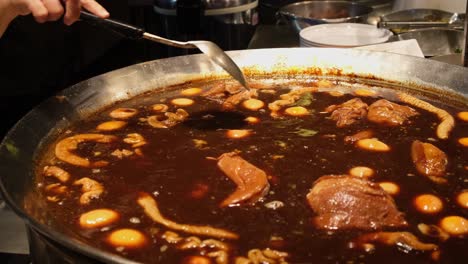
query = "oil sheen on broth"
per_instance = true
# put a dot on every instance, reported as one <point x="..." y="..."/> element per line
<point x="311" y="171"/>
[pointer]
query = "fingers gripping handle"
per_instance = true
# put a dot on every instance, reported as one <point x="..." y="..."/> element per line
<point x="118" y="27"/>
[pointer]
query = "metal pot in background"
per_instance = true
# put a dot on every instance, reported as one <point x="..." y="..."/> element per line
<point x="230" y="24"/>
<point x="303" y="14"/>
<point x="435" y="41"/>
<point x="269" y="8"/>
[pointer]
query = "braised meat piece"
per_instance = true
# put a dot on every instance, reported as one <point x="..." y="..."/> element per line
<point x="390" y="114"/>
<point x="447" y="122"/>
<point x="348" y="202"/>
<point x="429" y="160"/>
<point x="405" y="240"/>
<point x="150" y="206"/>
<point x="365" y="134"/>
<point x="223" y="89"/>
<point x="252" y="183"/>
<point x="229" y="94"/>
<point x="348" y="112"/>
<point x="235" y="99"/>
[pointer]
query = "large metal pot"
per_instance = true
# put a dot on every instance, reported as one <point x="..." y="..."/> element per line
<point x="21" y="146"/>
<point x="304" y="14"/>
<point x="268" y="8"/>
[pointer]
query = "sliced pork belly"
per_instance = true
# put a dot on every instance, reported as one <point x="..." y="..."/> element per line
<point x="348" y="112"/>
<point x="429" y="160"/>
<point x="346" y="202"/>
<point x="390" y="114"/>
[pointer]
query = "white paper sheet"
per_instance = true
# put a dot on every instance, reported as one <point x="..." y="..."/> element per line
<point x="404" y="47"/>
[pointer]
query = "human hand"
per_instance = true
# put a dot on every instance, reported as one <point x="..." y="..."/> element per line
<point x="51" y="10"/>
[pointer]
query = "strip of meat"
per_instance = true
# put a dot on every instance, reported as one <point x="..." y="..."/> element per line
<point x="429" y="160"/>
<point x="365" y="134"/>
<point x="252" y="183"/>
<point x="402" y="239"/>
<point x="447" y="121"/>
<point x="135" y="139"/>
<point x="348" y="202"/>
<point x="64" y="148"/>
<point x="234" y="92"/>
<point x="220" y="89"/>
<point x="171" y="119"/>
<point x="265" y="256"/>
<point x="235" y="99"/>
<point x="296" y="93"/>
<point x="57" y="172"/>
<point x="387" y="113"/>
<point x="91" y="189"/>
<point x="348" y="112"/>
<point x="289" y="98"/>
<point x="151" y="209"/>
<point x="433" y="231"/>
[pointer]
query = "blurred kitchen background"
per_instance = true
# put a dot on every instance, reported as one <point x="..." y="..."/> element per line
<point x="36" y="60"/>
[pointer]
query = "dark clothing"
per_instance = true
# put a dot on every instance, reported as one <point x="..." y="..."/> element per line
<point x="38" y="60"/>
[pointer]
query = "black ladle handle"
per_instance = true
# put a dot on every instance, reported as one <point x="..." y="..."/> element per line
<point x="465" y="44"/>
<point x="118" y="27"/>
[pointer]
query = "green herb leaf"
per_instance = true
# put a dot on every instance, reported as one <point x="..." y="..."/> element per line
<point x="287" y="122"/>
<point x="12" y="149"/>
<point x="305" y="100"/>
<point x="280" y="143"/>
<point x="303" y="132"/>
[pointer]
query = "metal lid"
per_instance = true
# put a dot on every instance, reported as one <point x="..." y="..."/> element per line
<point x="372" y="3"/>
<point x="208" y="4"/>
<point x="210" y="7"/>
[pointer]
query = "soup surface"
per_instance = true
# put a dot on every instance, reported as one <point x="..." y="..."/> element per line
<point x="304" y="171"/>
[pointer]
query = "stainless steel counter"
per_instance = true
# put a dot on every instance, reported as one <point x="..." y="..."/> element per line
<point x="13" y="233"/>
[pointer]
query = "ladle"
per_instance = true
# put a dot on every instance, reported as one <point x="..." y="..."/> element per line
<point x="215" y="53"/>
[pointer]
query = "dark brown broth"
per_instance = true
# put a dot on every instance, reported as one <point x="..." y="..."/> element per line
<point x="172" y="167"/>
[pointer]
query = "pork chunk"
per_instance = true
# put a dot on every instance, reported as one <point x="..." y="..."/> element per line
<point x="365" y="134"/>
<point x="348" y="112"/>
<point x="252" y="183"/>
<point x="390" y="114"/>
<point x="235" y="99"/>
<point x="429" y="160"/>
<point x="343" y="202"/>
